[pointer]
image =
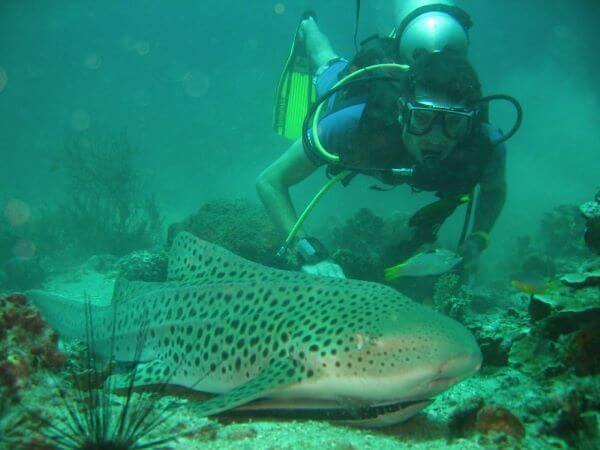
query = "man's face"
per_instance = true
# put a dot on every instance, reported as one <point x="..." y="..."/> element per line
<point x="432" y="147"/>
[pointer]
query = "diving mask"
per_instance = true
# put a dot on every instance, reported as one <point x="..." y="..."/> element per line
<point x="419" y="117"/>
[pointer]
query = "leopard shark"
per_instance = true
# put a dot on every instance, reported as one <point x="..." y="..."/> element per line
<point x="262" y="341"/>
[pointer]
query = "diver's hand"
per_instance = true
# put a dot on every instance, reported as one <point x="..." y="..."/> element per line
<point x="324" y="268"/>
<point x="315" y="259"/>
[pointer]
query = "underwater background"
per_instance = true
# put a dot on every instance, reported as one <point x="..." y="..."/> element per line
<point x="122" y="120"/>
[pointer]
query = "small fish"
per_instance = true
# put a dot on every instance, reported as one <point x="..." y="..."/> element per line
<point x="433" y="262"/>
<point x="534" y="285"/>
<point x="529" y="286"/>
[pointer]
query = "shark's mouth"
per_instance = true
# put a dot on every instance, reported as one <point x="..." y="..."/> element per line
<point x="308" y="411"/>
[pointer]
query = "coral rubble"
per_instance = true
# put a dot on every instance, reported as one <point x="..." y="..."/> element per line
<point x="26" y="345"/>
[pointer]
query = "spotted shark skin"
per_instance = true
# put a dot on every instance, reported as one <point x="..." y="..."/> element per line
<point x="250" y="334"/>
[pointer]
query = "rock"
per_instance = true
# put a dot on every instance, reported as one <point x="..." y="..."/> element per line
<point x="536" y="356"/>
<point x="495" y="419"/>
<point x="241" y="434"/>
<point x="539" y="307"/>
<point x="565" y="312"/>
<point x="496" y="336"/>
<point x="206" y="433"/>
<point x="495" y="350"/>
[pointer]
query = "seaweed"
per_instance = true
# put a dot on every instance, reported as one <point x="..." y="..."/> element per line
<point x="105" y="209"/>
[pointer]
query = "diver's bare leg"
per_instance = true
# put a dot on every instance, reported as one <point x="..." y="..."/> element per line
<point x="318" y="47"/>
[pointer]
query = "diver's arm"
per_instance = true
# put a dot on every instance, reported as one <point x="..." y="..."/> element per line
<point x="489" y="205"/>
<point x="274" y="182"/>
<point x="490" y="202"/>
<point x="273" y="189"/>
<point x="492" y="194"/>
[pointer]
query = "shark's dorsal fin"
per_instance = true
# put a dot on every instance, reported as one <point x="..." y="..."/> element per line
<point x="192" y="259"/>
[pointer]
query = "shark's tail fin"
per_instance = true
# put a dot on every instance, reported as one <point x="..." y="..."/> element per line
<point x="67" y="317"/>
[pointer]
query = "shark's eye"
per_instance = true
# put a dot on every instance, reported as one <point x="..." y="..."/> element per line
<point x="359" y="340"/>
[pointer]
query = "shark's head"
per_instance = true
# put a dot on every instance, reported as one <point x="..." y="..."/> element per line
<point x="413" y="357"/>
<point x="404" y="355"/>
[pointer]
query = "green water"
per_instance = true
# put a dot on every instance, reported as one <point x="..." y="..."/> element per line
<point x="118" y="119"/>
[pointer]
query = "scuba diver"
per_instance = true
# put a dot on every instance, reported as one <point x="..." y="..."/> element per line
<point x="407" y="109"/>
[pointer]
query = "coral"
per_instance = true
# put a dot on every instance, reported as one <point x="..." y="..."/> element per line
<point x="366" y="243"/>
<point x="27" y="344"/>
<point x="107" y="210"/>
<point x="448" y="298"/>
<point x="361" y="233"/>
<point x="143" y="266"/>
<point x="238" y="225"/>
<point x="359" y="266"/>
<point x="358" y="245"/>
<point x="495" y="419"/>
<point x="561" y="231"/>
<point x="581" y="279"/>
<point x="102" y="263"/>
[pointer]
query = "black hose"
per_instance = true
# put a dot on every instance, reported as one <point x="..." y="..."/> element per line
<point x="356" y="25"/>
<point x="467" y="221"/>
<point x="518" y="108"/>
<point x="369" y="78"/>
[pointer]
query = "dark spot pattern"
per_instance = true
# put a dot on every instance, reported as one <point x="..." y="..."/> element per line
<point x="219" y="313"/>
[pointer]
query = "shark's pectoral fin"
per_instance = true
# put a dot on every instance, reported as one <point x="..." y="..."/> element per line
<point x="277" y="375"/>
<point x="150" y="373"/>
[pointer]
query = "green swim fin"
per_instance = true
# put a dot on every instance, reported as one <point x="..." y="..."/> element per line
<point x="295" y="93"/>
